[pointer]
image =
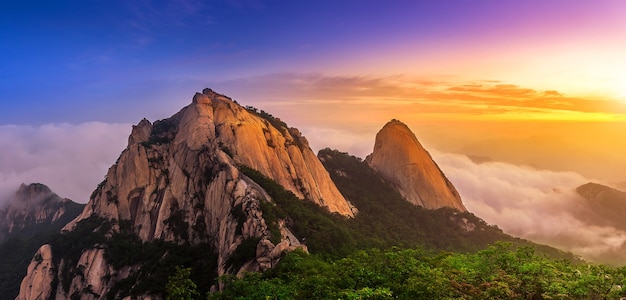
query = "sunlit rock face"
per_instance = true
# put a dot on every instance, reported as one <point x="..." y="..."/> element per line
<point x="186" y="168"/>
<point x="400" y="159"/>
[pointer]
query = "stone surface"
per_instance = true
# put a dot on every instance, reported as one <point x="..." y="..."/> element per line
<point x="186" y="166"/>
<point x="400" y="159"/>
<point x="36" y="284"/>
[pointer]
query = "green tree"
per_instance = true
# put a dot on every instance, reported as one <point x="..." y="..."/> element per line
<point x="180" y="286"/>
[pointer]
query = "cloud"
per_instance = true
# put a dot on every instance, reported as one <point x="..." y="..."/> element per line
<point x="359" y="144"/>
<point x="417" y="96"/>
<point x="538" y="205"/>
<point x="70" y="159"/>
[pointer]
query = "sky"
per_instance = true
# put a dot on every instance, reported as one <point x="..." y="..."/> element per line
<point x="528" y="84"/>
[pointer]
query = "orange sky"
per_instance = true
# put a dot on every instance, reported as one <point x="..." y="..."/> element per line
<point x="525" y="81"/>
<point x="544" y="128"/>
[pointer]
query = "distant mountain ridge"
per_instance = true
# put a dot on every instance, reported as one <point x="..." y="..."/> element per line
<point x="31" y="205"/>
<point x="604" y="205"/>
<point x="29" y="219"/>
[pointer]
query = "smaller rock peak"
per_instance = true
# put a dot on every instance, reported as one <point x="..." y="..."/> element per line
<point x="140" y="133"/>
<point x="32" y="190"/>
<point x="208" y="96"/>
<point x="201" y="99"/>
<point x="144" y="122"/>
<point x="400" y="158"/>
<point x="214" y="96"/>
<point x="396" y="124"/>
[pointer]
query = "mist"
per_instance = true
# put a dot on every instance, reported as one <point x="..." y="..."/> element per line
<point x="538" y="205"/>
<point x="70" y="159"/>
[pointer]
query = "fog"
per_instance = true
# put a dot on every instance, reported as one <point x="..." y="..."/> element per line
<point x="536" y="204"/>
<point x="539" y="205"/>
<point x="70" y="159"/>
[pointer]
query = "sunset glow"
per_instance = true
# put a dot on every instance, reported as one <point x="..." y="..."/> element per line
<point x="518" y="101"/>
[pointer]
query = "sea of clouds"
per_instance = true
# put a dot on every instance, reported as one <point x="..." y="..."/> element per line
<point x="71" y="159"/>
<point x="539" y="205"/>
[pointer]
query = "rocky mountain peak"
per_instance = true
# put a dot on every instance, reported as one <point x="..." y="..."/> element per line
<point x="141" y="132"/>
<point x="179" y="181"/>
<point x="31" y="204"/>
<point x="400" y="158"/>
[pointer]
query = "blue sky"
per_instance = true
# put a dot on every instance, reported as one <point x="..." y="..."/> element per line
<point x="119" y="61"/>
<point x="76" y="61"/>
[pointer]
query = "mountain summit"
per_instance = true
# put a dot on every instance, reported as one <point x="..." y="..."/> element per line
<point x="400" y="159"/>
<point x="180" y="182"/>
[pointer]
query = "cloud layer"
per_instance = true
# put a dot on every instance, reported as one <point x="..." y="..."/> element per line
<point x="70" y="159"/>
<point x="538" y="205"/>
<point x="437" y="97"/>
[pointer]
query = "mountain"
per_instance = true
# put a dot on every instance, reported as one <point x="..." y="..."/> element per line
<point x="34" y="207"/>
<point x="400" y="159"/>
<point x="603" y="208"/>
<point x="31" y="205"/>
<point x="177" y="186"/>
<point x="29" y="219"/>
<point x="602" y="205"/>
<point x="220" y="189"/>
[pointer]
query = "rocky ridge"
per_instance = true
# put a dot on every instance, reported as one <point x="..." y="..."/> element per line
<point x="32" y="204"/>
<point x="400" y="159"/>
<point x="178" y="181"/>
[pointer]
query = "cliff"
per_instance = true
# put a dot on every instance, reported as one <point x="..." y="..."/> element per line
<point x="178" y="181"/>
<point x="400" y="159"/>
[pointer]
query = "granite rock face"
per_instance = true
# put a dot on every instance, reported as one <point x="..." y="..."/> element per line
<point x="401" y="160"/>
<point x="186" y="168"/>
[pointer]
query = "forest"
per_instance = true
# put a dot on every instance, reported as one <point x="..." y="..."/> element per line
<point x="395" y="250"/>
<point x="501" y="271"/>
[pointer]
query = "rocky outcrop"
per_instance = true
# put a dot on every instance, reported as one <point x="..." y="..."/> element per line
<point x="31" y="205"/>
<point x="178" y="180"/>
<point x="40" y="273"/>
<point x="400" y="159"/>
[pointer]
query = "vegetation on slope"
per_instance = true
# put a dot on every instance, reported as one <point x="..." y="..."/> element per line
<point x="395" y="222"/>
<point x="429" y="254"/>
<point x="501" y="271"/>
<point x="384" y="220"/>
<point x="416" y="260"/>
<point x="151" y="263"/>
